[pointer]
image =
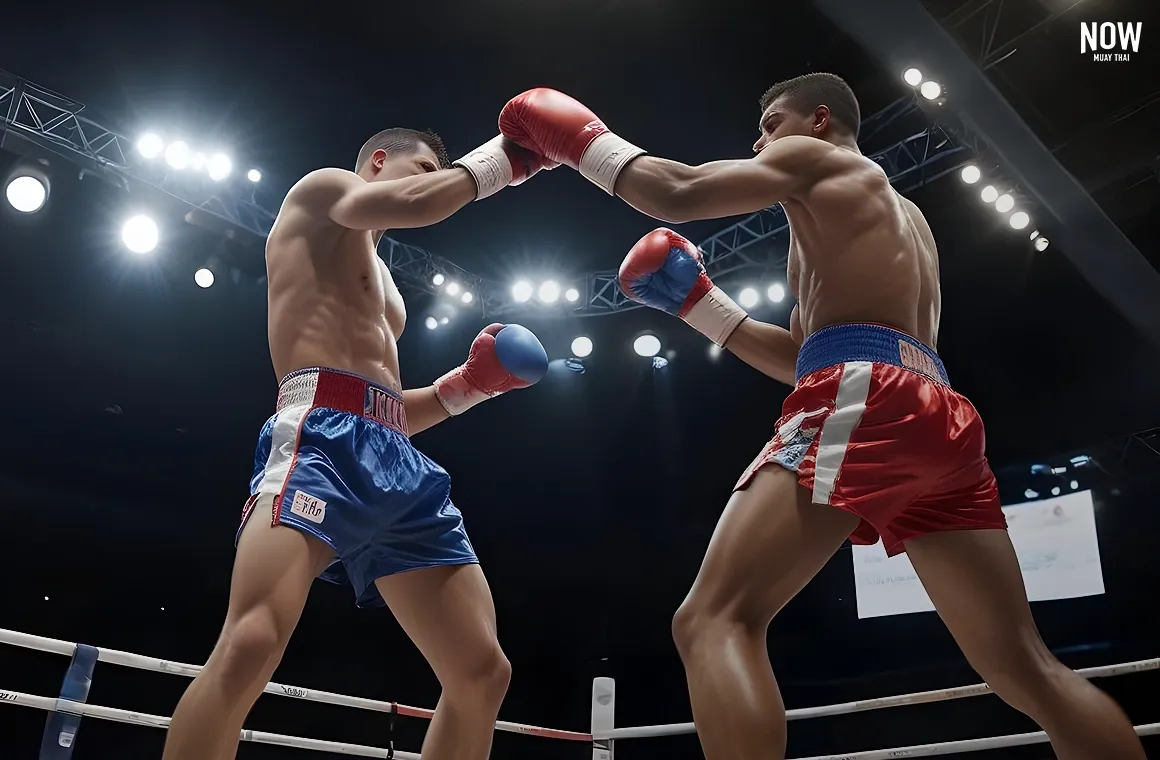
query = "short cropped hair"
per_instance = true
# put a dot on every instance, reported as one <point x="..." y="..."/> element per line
<point x="807" y="92"/>
<point x="404" y="141"/>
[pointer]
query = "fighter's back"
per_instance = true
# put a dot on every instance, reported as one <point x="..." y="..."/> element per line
<point x="332" y="302"/>
<point x="860" y="252"/>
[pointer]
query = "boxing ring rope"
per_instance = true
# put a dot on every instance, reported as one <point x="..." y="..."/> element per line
<point x="602" y="736"/>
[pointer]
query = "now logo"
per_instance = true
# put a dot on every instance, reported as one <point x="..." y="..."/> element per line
<point x="1100" y="39"/>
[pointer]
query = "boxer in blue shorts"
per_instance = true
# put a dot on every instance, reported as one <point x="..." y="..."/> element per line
<point x="339" y="491"/>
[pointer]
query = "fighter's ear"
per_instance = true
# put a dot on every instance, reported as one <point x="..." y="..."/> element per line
<point x="821" y="119"/>
<point x="377" y="159"/>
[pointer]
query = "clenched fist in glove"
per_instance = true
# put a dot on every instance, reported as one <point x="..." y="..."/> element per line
<point x="562" y="129"/>
<point x="665" y="271"/>
<point x="502" y="358"/>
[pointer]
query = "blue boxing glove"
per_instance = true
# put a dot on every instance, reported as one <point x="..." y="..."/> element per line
<point x="502" y="358"/>
<point x="665" y="271"/>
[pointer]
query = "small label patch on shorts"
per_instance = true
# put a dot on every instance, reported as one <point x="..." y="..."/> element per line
<point x="308" y="507"/>
<point x="916" y="359"/>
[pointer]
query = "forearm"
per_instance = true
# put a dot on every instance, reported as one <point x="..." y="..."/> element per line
<point x="767" y="348"/>
<point x="423" y="409"/>
<point x="676" y="192"/>
<point x="417" y="201"/>
<point x="657" y="187"/>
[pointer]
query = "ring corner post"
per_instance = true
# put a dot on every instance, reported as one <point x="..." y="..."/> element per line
<point x="603" y="717"/>
<point x="60" y="729"/>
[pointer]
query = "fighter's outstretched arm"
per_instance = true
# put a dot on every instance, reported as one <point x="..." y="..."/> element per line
<point x="421" y="200"/>
<point x="348" y="200"/>
<point x="676" y="192"/>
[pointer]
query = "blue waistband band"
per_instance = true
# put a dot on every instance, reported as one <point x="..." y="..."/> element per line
<point x="868" y="343"/>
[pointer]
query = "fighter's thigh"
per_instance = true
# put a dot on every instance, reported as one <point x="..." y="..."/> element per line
<point x="274" y="568"/>
<point x="448" y="613"/>
<point x="768" y="544"/>
<point x="973" y="578"/>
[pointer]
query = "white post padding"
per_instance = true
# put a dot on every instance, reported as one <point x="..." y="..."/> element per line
<point x="603" y="717"/>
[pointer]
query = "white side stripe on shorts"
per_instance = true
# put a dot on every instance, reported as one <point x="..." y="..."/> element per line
<point x="283" y="441"/>
<point x="849" y="404"/>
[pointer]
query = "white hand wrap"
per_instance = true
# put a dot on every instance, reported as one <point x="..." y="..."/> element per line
<point x="605" y="157"/>
<point x="715" y="316"/>
<point x="490" y="166"/>
<point x="456" y="394"/>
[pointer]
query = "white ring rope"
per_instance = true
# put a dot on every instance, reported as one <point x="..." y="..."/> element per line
<point x="156" y="721"/>
<point x="954" y="748"/>
<point x="127" y="659"/>
<point x="862" y="705"/>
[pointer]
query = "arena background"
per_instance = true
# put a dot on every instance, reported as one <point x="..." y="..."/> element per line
<point x="133" y="397"/>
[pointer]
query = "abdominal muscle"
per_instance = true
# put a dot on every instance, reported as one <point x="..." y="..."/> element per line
<point x="328" y="308"/>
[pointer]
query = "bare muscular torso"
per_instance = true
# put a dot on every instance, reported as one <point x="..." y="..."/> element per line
<point x="332" y="301"/>
<point x="860" y="252"/>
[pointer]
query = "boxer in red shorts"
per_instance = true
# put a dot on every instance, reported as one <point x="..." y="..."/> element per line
<point x="872" y="441"/>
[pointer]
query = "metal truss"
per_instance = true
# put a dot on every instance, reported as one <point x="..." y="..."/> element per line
<point x="40" y="123"/>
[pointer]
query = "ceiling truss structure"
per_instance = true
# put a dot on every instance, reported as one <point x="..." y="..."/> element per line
<point x="40" y="124"/>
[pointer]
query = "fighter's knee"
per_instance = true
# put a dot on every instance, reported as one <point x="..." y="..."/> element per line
<point x="704" y="617"/>
<point x="1021" y="674"/>
<point x="246" y="647"/>
<point x="485" y="676"/>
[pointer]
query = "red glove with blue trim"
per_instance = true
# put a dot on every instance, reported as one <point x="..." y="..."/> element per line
<point x="502" y="358"/>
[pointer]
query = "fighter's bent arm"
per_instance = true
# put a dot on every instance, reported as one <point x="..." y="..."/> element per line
<point x="769" y="349"/>
<point x="676" y="192"/>
<point x="423" y="409"/>
<point x="419" y="201"/>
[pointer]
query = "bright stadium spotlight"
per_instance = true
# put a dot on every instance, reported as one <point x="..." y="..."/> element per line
<point x="572" y="295"/>
<point x="444" y="320"/>
<point x="521" y="291"/>
<point x="912" y="77"/>
<point x="1019" y="220"/>
<point x="647" y="345"/>
<point x="219" y="167"/>
<point x="254" y="175"/>
<point x="989" y="194"/>
<point x="452" y="288"/>
<point x="197" y="162"/>
<point x="139" y="234"/>
<point x="1041" y="243"/>
<point x="1034" y="234"/>
<point x="581" y="347"/>
<point x="437" y="279"/>
<point x="1074" y="485"/>
<point x="1004" y="203"/>
<point x="714" y="350"/>
<point x="930" y="90"/>
<point x="431" y="323"/>
<point x="549" y="291"/>
<point x="150" y="145"/>
<point x="971" y="174"/>
<point x="177" y="155"/>
<point x="1055" y="490"/>
<point x="776" y="292"/>
<point x="748" y="297"/>
<point x="203" y="277"/>
<point x="467" y="297"/>
<point x="26" y="193"/>
<point x="1030" y="494"/>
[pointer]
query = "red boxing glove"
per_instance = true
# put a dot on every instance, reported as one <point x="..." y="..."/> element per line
<point x="500" y="162"/>
<point x="562" y="129"/>
<point x="483" y="375"/>
<point x="664" y="270"/>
